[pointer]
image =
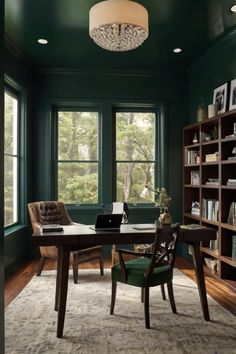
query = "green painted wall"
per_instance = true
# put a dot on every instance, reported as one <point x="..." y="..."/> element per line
<point x="105" y="89"/>
<point x="17" y="241"/>
<point x="215" y="68"/>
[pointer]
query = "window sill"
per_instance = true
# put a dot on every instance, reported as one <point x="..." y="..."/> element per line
<point x="14" y="229"/>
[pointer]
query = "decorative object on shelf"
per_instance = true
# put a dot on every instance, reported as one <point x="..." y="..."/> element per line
<point x="205" y="137"/>
<point x="195" y="139"/>
<point x="220" y="97"/>
<point x="232" y="99"/>
<point x="195" y="208"/>
<point x="212" y="264"/>
<point x="201" y="111"/>
<point x="195" y="178"/>
<point x="231" y="182"/>
<point x="214" y="133"/>
<point x="118" y="25"/>
<point x="212" y="110"/>
<point x="234" y="153"/>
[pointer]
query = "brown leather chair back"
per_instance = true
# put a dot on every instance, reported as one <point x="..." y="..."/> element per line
<point x="48" y="212"/>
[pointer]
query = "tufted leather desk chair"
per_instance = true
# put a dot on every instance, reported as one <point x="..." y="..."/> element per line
<point x="54" y="212"/>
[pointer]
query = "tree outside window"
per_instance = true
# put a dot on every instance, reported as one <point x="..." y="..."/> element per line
<point x="77" y="165"/>
<point x="11" y="160"/>
<point x="135" y="155"/>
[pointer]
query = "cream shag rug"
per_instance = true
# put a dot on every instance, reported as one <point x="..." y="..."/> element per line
<point x="31" y="320"/>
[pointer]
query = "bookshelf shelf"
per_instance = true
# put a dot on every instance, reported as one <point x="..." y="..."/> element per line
<point x="213" y="253"/>
<point x="231" y="261"/>
<point x="216" y="142"/>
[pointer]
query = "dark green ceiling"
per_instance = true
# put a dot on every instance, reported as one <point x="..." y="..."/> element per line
<point x="193" y="25"/>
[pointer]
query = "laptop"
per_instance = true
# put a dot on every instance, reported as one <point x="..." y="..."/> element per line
<point x="107" y="222"/>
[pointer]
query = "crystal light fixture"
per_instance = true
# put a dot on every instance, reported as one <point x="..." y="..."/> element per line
<point x="118" y="25"/>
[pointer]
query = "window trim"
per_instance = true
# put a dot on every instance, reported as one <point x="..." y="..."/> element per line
<point x="160" y="144"/>
<point x="88" y="107"/>
<point x="18" y="92"/>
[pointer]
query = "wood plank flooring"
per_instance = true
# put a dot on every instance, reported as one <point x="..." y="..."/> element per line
<point x="222" y="293"/>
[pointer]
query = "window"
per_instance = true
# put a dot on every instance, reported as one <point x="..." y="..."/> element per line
<point x="11" y="159"/>
<point x="78" y="151"/>
<point x="136" y="155"/>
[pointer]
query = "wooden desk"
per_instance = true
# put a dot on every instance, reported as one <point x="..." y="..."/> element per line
<point x="75" y="237"/>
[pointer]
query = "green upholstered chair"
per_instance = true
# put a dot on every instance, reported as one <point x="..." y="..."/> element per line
<point x="150" y="269"/>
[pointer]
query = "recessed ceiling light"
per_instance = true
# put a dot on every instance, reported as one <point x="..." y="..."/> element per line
<point x="177" y="50"/>
<point x="233" y="8"/>
<point x="42" y="41"/>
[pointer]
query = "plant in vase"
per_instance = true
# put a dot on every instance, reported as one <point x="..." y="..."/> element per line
<point x="162" y="201"/>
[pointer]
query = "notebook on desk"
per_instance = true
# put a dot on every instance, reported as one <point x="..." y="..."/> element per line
<point x="107" y="222"/>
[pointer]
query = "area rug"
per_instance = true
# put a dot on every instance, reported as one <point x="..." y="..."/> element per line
<point x="30" y="323"/>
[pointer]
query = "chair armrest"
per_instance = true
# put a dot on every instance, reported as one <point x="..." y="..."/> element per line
<point x="134" y="253"/>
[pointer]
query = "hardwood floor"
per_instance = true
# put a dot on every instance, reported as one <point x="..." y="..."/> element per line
<point x="223" y="294"/>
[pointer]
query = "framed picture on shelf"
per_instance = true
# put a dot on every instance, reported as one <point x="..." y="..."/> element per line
<point x="232" y="97"/>
<point x="195" y="178"/>
<point x="220" y="97"/>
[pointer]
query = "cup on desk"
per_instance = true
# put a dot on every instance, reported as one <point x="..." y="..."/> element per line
<point x="212" y="110"/>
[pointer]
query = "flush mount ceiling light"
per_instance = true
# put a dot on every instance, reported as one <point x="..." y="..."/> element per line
<point x="118" y="25"/>
<point x="42" y="41"/>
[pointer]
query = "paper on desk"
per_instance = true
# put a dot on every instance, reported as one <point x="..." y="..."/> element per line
<point x="118" y="208"/>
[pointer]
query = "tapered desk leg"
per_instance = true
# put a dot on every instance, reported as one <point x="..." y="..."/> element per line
<point x="62" y="290"/>
<point x="197" y="259"/>
<point x="59" y="255"/>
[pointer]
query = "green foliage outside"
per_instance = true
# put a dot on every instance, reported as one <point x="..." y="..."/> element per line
<point x="78" y="156"/>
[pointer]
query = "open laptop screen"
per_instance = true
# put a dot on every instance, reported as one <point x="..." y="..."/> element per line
<point x="107" y="222"/>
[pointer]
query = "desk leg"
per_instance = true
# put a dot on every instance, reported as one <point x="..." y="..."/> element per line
<point x="59" y="255"/>
<point x="62" y="290"/>
<point x="197" y="259"/>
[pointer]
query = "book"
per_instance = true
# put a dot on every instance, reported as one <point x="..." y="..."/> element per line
<point x="234" y="246"/>
<point x="52" y="228"/>
<point x="232" y="214"/>
<point x="192" y="226"/>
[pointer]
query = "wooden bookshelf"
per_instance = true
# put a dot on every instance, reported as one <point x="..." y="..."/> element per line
<point x="213" y="195"/>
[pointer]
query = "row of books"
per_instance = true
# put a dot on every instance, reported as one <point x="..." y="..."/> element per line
<point x="210" y="209"/>
<point x="232" y="214"/>
<point x="234" y="246"/>
<point x="192" y="157"/>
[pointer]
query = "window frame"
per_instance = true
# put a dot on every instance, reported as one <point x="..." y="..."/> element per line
<point x="78" y="108"/>
<point x="159" y="146"/>
<point x="16" y="91"/>
<point x="106" y="138"/>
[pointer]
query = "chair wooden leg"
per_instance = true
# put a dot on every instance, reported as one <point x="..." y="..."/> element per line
<point x="40" y="266"/>
<point x="163" y="293"/>
<point x="146" y="307"/>
<point x="101" y="265"/>
<point x="171" y="296"/>
<point x="75" y="267"/>
<point x="142" y="295"/>
<point x="113" y="296"/>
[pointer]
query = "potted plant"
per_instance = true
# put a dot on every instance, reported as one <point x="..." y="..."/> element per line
<point x="162" y="201"/>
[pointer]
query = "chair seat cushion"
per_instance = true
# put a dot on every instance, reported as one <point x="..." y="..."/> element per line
<point x="136" y="270"/>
